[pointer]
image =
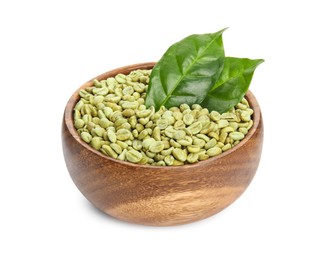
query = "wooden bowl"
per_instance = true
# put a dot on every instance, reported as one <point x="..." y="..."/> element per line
<point x="160" y="195"/>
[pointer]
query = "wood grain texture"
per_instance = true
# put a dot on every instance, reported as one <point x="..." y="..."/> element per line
<point x="160" y="196"/>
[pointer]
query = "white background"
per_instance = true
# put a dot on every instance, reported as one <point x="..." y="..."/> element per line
<point x="49" y="48"/>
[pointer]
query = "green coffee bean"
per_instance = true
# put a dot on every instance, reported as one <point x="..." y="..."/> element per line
<point x="203" y="137"/>
<point x="99" y="131"/>
<point x="209" y="127"/>
<point x="180" y="134"/>
<point x="150" y="154"/>
<point x="210" y="144"/>
<point x="203" y="119"/>
<point x="109" y="151"/>
<point x="122" y="155"/>
<point x="128" y="90"/>
<point x="158" y="157"/>
<point x="143" y="113"/>
<point x="187" y="140"/>
<point x="169" y="131"/>
<point x="79" y="105"/>
<point x="120" y="78"/>
<point x="227" y="129"/>
<point x="214" y="151"/>
<point x="156" y="133"/>
<point x="147" y="142"/>
<point x="192" y="157"/>
<point x="177" y="163"/>
<point x="111" y="135"/>
<point x="214" y="135"/>
<point x="79" y="123"/>
<point x="188" y="119"/>
<point x="229" y="116"/>
<point x="196" y="107"/>
<point x="179" y="125"/>
<point x="169" y="159"/>
<point x="184" y="107"/>
<point x="166" y="144"/>
<point x="226" y="147"/>
<point x="96" y="83"/>
<point x="130" y="105"/>
<point x="223" y="136"/>
<point x="203" y="156"/>
<point x="167" y="151"/>
<point x="199" y="142"/>
<point x="111" y="82"/>
<point x="229" y="140"/>
<point x="245" y="116"/>
<point x="84" y="94"/>
<point x="116" y="148"/>
<point x="143" y="134"/>
<point x="193" y="148"/>
<point x="236" y="136"/>
<point x="100" y="106"/>
<point x="250" y="124"/>
<point x="122" y="144"/>
<point x="140" y="100"/>
<point x="162" y="123"/>
<point x="133" y="156"/>
<point x="215" y="116"/>
<point x="143" y="121"/>
<point x="243" y="130"/>
<point x="107" y="111"/>
<point x="241" y="106"/>
<point x="139" y="127"/>
<point x="136" y="95"/>
<point x="128" y="112"/>
<point x="96" y="142"/>
<point x="160" y="163"/>
<point x="95" y="120"/>
<point x="90" y="126"/>
<point x="103" y="91"/>
<point x="77" y="115"/>
<point x="177" y="115"/>
<point x="123" y="134"/>
<point x="120" y="121"/>
<point x="137" y="144"/>
<point x="86" y="137"/>
<point x="135" y="133"/>
<point x="98" y="99"/>
<point x="105" y="123"/>
<point x="223" y="123"/>
<point x="112" y="98"/>
<point x="179" y="154"/>
<point x="156" y="146"/>
<point x="235" y="143"/>
<point x="174" y="144"/>
<point x="132" y="121"/>
<point x="195" y="128"/>
<point x="234" y="125"/>
<point x="220" y="144"/>
<point x="149" y="125"/>
<point x="139" y="87"/>
<point x="115" y="115"/>
<point x="100" y="114"/>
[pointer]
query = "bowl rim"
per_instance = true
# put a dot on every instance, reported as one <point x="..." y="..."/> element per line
<point x="69" y="122"/>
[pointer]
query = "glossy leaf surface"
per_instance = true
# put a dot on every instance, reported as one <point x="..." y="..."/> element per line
<point x="187" y="71"/>
<point x="231" y="85"/>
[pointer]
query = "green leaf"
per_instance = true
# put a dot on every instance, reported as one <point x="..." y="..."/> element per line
<point x="187" y="71"/>
<point x="232" y="84"/>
